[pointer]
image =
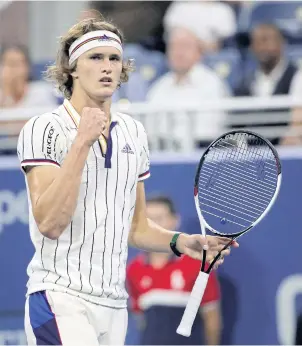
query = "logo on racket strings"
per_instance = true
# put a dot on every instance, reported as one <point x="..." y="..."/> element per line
<point x="261" y="171"/>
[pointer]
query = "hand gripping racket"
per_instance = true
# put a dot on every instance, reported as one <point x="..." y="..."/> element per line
<point x="237" y="181"/>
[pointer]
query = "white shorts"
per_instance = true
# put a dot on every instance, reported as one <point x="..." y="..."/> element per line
<point x="55" y="318"/>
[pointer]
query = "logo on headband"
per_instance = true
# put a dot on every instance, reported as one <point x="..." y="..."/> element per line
<point x="104" y="38"/>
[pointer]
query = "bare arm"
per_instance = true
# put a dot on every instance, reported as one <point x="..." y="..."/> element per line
<point x="145" y="234"/>
<point x="212" y="324"/>
<point x="54" y="192"/>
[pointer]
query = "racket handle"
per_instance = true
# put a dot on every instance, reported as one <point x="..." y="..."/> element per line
<point x="193" y="305"/>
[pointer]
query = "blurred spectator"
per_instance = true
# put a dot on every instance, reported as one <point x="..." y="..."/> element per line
<point x="273" y="73"/>
<point x="159" y="285"/>
<point x="212" y="21"/>
<point x="16" y="87"/>
<point x="189" y="82"/>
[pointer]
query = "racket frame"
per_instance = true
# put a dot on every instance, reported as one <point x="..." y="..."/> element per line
<point x="203" y="224"/>
<point x="197" y="292"/>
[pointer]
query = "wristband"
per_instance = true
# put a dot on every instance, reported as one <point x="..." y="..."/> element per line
<point x="173" y="244"/>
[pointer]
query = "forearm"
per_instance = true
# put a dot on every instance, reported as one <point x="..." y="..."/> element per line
<point x="56" y="205"/>
<point x="151" y="237"/>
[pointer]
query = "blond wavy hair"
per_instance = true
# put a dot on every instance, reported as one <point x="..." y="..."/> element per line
<point x="60" y="72"/>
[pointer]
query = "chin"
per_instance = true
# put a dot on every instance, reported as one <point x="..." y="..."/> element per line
<point x="104" y="94"/>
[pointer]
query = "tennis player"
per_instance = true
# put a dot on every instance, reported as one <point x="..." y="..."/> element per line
<point x="85" y="168"/>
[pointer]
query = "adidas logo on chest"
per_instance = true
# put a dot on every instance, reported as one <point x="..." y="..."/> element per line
<point x="127" y="149"/>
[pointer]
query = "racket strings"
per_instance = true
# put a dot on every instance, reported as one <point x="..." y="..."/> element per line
<point x="239" y="203"/>
<point x="246" y="167"/>
<point x="229" y="173"/>
<point x="237" y="180"/>
<point x="250" y="151"/>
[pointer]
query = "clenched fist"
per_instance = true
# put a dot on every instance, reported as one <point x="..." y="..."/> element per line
<point x="92" y="124"/>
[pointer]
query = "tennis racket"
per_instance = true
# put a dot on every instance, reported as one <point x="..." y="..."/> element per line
<point x="237" y="181"/>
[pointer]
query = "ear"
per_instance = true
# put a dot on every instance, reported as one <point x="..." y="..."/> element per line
<point x="74" y="74"/>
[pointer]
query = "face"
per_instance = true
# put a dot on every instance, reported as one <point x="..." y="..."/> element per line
<point x="98" y="72"/>
<point x="267" y="45"/>
<point x="160" y="214"/>
<point x="184" y="50"/>
<point x="14" y="67"/>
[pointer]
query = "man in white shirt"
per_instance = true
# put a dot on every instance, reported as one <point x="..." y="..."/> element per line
<point x="188" y="82"/>
<point x="84" y="168"/>
<point x="273" y="74"/>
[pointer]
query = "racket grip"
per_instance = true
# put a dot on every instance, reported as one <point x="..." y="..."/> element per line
<point x="193" y="305"/>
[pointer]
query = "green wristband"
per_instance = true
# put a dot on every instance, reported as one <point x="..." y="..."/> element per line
<point x="173" y="244"/>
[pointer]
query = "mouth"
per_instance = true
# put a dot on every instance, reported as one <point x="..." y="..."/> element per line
<point x="106" y="80"/>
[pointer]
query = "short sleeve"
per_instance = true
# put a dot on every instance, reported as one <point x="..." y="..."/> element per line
<point x="144" y="165"/>
<point x="42" y="141"/>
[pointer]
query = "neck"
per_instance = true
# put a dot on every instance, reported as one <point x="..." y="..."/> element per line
<point x="267" y="68"/>
<point x="79" y="101"/>
<point x="180" y="77"/>
<point x="15" y="91"/>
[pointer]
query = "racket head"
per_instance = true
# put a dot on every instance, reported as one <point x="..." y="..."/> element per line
<point x="237" y="181"/>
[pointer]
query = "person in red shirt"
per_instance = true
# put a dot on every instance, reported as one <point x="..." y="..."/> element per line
<point x="159" y="286"/>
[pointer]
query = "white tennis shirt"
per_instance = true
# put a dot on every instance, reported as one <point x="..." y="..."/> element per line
<point x="89" y="258"/>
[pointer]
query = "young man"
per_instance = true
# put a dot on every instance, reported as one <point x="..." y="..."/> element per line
<point x="159" y="286"/>
<point x="84" y="169"/>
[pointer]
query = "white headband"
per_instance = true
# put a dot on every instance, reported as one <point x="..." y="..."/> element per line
<point x="93" y="39"/>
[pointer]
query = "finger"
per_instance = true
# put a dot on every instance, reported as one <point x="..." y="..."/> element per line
<point x="222" y="240"/>
<point x="218" y="263"/>
<point x="225" y="252"/>
<point x="234" y="243"/>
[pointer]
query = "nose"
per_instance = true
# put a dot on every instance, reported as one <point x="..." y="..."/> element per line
<point x="106" y="66"/>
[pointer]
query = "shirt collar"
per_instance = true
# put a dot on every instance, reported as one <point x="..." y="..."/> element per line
<point x="190" y="78"/>
<point x="276" y="72"/>
<point x="75" y="117"/>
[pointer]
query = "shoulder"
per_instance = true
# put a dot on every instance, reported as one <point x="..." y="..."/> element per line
<point x="296" y="85"/>
<point x="161" y="84"/>
<point x="211" y="79"/>
<point x="49" y="119"/>
<point x="134" y="126"/>
<point x="205" y="71"/>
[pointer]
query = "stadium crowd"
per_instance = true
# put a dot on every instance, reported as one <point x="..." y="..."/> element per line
<point x="185" y="51"/>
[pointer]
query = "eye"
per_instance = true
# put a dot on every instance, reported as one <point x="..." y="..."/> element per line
<point x="115" y="58"/>
<point x="96" y="57"/>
